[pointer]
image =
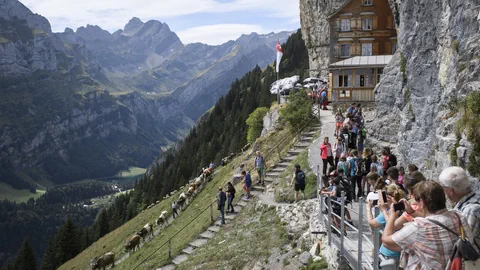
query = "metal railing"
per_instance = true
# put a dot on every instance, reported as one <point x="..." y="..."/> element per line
<point x="169" y="241"/>
<point x="356" y="254"/>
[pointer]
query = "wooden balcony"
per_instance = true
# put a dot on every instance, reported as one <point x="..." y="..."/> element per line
<point x="345" y="94"/>
<point x="366" y="34"/>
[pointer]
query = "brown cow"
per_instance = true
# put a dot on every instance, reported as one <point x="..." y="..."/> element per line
<point x="133" y="243"/>
<point x="147" y="230"/>
<point x="104" y="261"/>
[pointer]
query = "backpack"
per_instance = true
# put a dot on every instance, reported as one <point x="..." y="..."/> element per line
<point x="300" y="178"/>
<point x="392" y="160"/>
<point x="363" y="133"/>
<point x="344" y="186"/>
<point x="361" y="167"/>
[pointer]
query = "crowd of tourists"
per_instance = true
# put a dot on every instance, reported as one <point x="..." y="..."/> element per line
<point x="419" y="232"/>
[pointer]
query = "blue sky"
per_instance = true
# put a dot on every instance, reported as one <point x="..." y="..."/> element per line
<point x="208" y="21"/>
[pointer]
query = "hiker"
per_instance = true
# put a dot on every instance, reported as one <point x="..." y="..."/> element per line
<point x="355" y="175"/>
<point x="326" y="154"/>
<point x="211" y="166"/>
<point x="384" y="161"/>
<point x="401" y="175"/>
<point x="458" y="189"/>
<point x="352" y="110"/>
<point x="363" y="165"/>
<point x="174" y="209"/>
<point x="230" y="197"/>
<point x="260" y="167"/>
<point x="247" y="183"/>
<point x="362" y="136"/>
<point x="324" y="99"/>
<point x="338" y="149"/>
<point x="299" y="179"/>
<point x="412" y="168"/>
<point x="342" y="164"/>
<point x="221" y="203"/>
<point x="392" y="178"/>
<point x="338" y="122"/>
<point x="376" y="166"/>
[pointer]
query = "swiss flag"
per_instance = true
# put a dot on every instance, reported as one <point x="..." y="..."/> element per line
<point x="279" y="55"/>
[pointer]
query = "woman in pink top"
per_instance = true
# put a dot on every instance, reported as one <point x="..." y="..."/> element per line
<point x="326" y="154"/>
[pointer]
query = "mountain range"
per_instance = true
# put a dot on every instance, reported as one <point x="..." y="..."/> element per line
<point x="89" y="103"/>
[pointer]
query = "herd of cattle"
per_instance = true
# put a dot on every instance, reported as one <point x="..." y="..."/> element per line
<point x="133" y="243"/>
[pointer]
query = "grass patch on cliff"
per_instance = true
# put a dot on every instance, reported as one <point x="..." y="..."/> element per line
<point x="468" y="124"/>
<point x="239" y="245"/>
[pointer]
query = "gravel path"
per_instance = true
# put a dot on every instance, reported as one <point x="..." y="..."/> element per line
<point x="327" y="119"/>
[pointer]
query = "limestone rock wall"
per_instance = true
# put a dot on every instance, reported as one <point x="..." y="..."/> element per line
<point x="316" y="32"/>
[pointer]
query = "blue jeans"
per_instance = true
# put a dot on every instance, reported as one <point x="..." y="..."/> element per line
<point x="229" y="201"/>
<point x="222" y="213"/>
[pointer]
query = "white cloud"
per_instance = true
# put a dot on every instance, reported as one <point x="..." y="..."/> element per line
<point x="218" y="33"/>
<point x="113" y="14"/>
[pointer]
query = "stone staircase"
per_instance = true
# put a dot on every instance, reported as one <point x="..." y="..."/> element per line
<point x="305" y="140"/>
<point x="271" y="176"/>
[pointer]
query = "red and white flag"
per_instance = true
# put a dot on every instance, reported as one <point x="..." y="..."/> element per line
<point x="279" y="55"/>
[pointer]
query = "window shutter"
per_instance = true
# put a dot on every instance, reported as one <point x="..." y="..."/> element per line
<point x="375" y="23"/>
<point x="390" y="22"/>
<point x="375" y="48"/>
<point x="337" y="24"/>
<point x="358" y="49"/>
<point x="388" y="47"/>
<point x="353" y="24"/>
<point x="337" y="50"/>
<point x="352" y="49"/>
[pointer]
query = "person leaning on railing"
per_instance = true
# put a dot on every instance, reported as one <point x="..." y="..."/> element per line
<point x="423" y="243"/>
<point x="394" y="195"/>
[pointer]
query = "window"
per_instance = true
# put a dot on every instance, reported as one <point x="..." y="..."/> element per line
<point x="345" y="50"/>
<point x="345" y="25"/>
<point x="367" y="2"/>
<point x="367" y="24"/>
<point x="366" y="49"/>
<point x="394" y="47"/>
<point x="360" y="78"/>
<point x="369" y="77"/>
<point x="379" y="74"/>
<point x="344" y="81"/>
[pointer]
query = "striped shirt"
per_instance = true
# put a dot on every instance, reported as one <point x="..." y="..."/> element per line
<point x="425" y="245"/>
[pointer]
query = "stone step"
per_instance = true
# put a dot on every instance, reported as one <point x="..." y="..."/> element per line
<point x="214" y="229"/>
<point x="270" y="179"/>
<point x="294" y="152"/>
<point x="189" y="250"/>
<point x="258" y="187"/>
<point x="289" y="158"/>
<point x="282" y="165"/>
<point x="179" y="259"/>
<point x="273" y="174"/>
<point x="242" y="203"/>
<point x="207" y="234"/>
<point x="230" y="217"/>
<point x="305" y="139"/>
<point x="301" y="146"/>
<point x="278" y="169"/>
<point x="198" y="243"/>
<point x="238" y="208"/>
<point x="308" y="134"/>
<point x="167" y="267"/>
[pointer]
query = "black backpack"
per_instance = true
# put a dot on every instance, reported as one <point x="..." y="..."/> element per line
<point x="344" y="185"/>
<point x="300" y="178"/>
<point x="362" y="167"/>
<point x="392" y="160"/>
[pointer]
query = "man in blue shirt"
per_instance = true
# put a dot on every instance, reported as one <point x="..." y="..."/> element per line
<point x="247" y="183"/>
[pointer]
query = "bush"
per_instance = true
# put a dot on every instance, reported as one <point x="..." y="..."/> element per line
<point x="255" y="123"/>
<point x="468" y="124"/>
<point x="297" y="111"/>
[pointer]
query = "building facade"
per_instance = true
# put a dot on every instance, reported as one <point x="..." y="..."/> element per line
<point x="362" y="28"/>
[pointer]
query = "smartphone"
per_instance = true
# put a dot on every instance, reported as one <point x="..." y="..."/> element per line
<point x="384" y="196"/>
<point x="399" y="206"/>
<point x="375" y="202"/>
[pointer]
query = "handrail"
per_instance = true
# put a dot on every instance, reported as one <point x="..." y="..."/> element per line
<point x="173" y="236"/>
<point x="299" y="131"/>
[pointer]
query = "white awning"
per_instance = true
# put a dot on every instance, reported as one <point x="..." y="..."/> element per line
<point x="363" y="61"/>
<point x="367" y="13"/>
<point x="367" y="38"/>
<point x="345" y="39"/>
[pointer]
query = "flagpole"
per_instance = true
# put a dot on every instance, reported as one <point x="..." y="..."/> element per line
<point x="278" y="93"/>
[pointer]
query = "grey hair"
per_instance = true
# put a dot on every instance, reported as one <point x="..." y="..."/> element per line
<point x="455" y="178"/>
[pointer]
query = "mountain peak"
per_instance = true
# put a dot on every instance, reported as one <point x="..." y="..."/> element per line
<point x="93" y="32"/>
<point x="132" y="26"/>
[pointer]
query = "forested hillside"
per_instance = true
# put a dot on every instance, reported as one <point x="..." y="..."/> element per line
<point x="221" y="131"/>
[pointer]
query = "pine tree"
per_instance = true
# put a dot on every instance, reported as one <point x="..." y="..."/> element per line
<point x="25" y="259"/>
<point x="101" y="225"/>
<point x="67" y="243"/>
<point x="7" y="266"/>
<point x="48" y="260"/>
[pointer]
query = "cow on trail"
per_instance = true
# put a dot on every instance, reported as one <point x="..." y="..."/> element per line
<point x="103" y="261"/>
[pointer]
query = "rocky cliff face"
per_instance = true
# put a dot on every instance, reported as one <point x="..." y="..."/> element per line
<point x="420" y="102"/>
<point x="316" y="32"/>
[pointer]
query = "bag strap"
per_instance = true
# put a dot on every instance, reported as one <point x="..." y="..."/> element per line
<point x="448" y="229"/>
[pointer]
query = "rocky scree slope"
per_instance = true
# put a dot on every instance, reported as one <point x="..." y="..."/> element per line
<point x="435" y="70"/>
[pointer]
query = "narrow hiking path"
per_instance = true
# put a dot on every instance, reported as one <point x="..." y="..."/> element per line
<point x="259" y="192"/>
<point x="327" y="118"/>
